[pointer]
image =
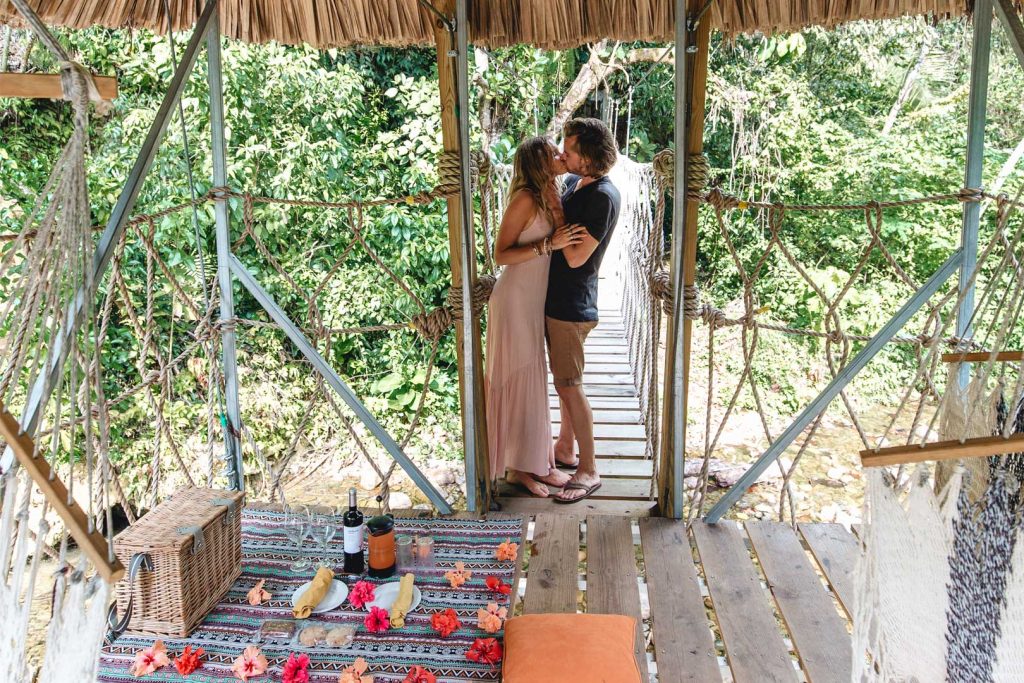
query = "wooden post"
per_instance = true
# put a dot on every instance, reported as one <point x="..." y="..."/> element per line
<point x="450" y="135"/>
<point x="695" y="146"/>
<point x="92" y="543"/>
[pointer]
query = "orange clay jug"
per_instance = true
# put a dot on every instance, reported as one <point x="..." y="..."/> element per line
<point x="382" y="546"/>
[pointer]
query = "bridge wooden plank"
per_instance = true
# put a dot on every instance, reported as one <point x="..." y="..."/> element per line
<point x="753" y="644"/>
<point x="611" y="576"/>
<point x="606" y="416"/>
<point x="617" y="488"/>
<point x="590" y="506"/>
<point x="619" y="430"/>
<point x="836" y="551"/>
<point x="684" y="647"/>
<point x="604" y="402"/>
<point x="591" y="379"/>
<point x="551" y="581"/>
<point x="603" y="390"/>
<point x="819" y="633"/>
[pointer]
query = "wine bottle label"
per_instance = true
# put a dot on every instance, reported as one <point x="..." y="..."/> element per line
<point x="353" y="539"/>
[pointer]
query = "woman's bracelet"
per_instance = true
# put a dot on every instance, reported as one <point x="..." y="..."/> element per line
<point x="547" y="246"/>
<point x="538" y="247"/>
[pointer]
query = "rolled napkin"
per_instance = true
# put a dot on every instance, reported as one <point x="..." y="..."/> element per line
<point x="400" y="607"/>
<point x="314" y="594"/>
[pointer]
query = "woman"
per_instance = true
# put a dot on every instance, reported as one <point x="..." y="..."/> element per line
<point x="518" y="420"/>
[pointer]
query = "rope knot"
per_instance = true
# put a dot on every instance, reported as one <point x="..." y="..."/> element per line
<point x="835" y="336"/>
<point x="721" y="201"/>
<point x="970" y="194"/>
<point x="449" y="171"/>
<point x="699" y="173"/>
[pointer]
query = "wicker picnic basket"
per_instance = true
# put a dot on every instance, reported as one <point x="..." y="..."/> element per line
<point x="194" y="544"/>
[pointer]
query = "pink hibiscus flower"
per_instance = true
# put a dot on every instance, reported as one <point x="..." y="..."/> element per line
<point x="250" y="663"/>
<point x="378" y="620"/>
<point x="150" y="659"/>
<point x="296" y="669"/>
<point x="362" y="592"/>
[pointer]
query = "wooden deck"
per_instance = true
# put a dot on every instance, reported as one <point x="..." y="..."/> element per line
<point x="756" y="603"/>
<point x="620" y="441"/>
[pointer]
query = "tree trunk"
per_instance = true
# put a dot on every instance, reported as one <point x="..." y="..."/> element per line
<point x="590" y="76"/>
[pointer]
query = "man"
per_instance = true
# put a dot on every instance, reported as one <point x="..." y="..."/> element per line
<point x="590" y="200"/>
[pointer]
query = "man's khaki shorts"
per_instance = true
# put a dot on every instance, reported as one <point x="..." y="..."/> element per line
<point x="565" y="349"/>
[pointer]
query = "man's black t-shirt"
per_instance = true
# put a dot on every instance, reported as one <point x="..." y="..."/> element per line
<point x="572" y="292"/>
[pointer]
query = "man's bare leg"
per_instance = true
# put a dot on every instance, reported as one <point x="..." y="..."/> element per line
<point x="566" y="442"/>
<point x="575" y="401"/>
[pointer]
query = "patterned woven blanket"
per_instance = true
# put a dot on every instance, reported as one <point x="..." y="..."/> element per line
<point x="266" y="554"/>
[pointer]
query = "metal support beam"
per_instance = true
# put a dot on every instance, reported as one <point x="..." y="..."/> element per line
<point x="332" y="378"/>
<point x="675" y="437"/>
<point x="972" y="175"/>
<point x="232" y="420"/>
<point x="844" y="377"/>
<point x="1007" y="14"/>
<point x="470" y="338"/>
<point x="47" y="379"/>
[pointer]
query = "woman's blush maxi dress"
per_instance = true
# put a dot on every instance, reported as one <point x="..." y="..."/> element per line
<point x="518" y="419"/>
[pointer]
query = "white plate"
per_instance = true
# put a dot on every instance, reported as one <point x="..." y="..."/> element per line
<point x="384" y="596"/>
<point x="336" y="595"/>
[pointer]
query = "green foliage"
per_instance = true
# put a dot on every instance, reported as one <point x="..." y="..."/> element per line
<point x="795" y="118"/>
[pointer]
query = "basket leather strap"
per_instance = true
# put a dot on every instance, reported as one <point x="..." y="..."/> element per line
<point x="198" y="538"/>
<point x="229" y="503"/>
<point x="115" y="626"/>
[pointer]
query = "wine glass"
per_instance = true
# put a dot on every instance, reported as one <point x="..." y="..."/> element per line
<point x="296" y="526"/>
<point x="323" y="530"/>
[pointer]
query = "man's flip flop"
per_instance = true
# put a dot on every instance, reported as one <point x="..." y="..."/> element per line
<point x="589" y="490"/>
<point x="566" y="466"/>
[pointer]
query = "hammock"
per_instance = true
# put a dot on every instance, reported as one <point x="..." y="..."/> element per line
<point x="47" y="276"/>
<point x="941" y="579"/>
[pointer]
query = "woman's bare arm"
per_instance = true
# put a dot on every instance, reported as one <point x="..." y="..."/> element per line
<point x="517" y="216"/>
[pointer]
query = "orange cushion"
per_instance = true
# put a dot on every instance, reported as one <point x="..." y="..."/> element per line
<point x="583" y="648"/>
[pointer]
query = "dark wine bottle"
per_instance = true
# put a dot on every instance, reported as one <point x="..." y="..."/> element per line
<point x="353" y="534"/>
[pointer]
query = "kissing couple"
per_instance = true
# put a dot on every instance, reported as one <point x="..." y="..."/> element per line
<point x="550" y="243"/>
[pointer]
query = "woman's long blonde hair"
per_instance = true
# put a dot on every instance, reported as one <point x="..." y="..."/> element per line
<point x="532" y="171"/>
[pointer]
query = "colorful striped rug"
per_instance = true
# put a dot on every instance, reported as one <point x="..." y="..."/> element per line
<point x="266" y="554"/>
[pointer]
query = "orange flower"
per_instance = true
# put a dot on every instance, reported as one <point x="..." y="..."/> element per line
<point x="250" y="663"/>
<point x="507" y="551"/>
<point x="446" y="622"/>
<point x="492" y="618"/>
<point x="188" y="660"/>
<point x="458" y="576"/>
<point x="257" y="595"/>
<point x="150" y="659"/>
<point x="353" y="673"/>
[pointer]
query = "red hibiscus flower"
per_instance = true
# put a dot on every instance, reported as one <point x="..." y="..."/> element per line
<point x="362" y="592"/>
<point x="418" y="674"/>
<point x="296" y="669"/>
<point x="496" y="585"/>
<point x="446" y="622"/>
<point x="485" y="651"/>
<point x="378" y="620"/>
<point x="188" y="660"/>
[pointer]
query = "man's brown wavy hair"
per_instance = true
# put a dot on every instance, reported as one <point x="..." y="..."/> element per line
<point x="594" y="142"/>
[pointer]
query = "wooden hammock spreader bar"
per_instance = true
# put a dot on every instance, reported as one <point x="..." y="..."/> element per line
<point x="943" y="450"/>
<point x="48" y="86"/>
<point x="982" y="357"/>
<point x="93" y="544"/>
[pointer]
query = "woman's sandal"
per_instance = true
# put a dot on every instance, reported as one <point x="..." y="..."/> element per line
<point x="589" y="490"/>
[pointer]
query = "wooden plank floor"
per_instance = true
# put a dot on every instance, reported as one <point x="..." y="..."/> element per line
<point x="758" y="602"/>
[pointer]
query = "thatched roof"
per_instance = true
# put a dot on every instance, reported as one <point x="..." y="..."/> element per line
<point x="495" y="23"/>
